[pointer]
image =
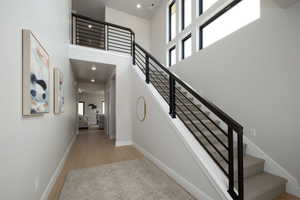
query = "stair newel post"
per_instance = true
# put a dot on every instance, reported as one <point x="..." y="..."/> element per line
<point x="106" y="37"/>
<point x="147" y="69"/>
<point x="73" y="29"/>
<point x="240" y="164"/>
<point x="172" y="96"/>
<point x="231" y="161"/>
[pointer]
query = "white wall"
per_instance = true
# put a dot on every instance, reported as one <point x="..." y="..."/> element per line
<point x="253" y="74"/>
<point x="122" y="62"/>
<point x="31" y="148"/>
<point x="140" y="26"/>
<point x="158" y="137"/>
<point x="91" y="98"/>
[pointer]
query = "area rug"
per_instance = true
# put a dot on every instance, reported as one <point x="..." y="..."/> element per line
<point x="129" y="180"/>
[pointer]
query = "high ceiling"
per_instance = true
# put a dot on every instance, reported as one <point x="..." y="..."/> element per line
<point x="96" y="8"/>
<point x="83" y="72"/>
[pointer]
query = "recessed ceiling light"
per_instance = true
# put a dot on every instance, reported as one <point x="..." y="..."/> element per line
<point x="90" y="26"/>
<point x="94" y="68"/>
<point x="93" y="80"/>
<point x="138" y="5"/>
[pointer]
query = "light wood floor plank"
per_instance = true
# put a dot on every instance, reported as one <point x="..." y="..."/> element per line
<point x="92" y="148"/>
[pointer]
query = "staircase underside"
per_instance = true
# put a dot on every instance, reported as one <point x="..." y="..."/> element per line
<point x="259" y="185"/>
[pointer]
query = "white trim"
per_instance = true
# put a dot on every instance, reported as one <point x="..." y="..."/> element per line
<point x="198" y="194"/>
<point x="57" y="171"/>
<point x="120" y="143"/>
<point x="273" y="167"/>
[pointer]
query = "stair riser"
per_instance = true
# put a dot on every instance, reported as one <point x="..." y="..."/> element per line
<point x="270" y="195"/>
<point x="250" y="171"/>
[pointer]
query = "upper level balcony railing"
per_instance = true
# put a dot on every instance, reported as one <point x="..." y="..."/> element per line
<point x="101" y="35"/>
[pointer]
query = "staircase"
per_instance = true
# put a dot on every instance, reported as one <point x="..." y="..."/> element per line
<point x="258" y="184"/>
<point x="219" y="134"/>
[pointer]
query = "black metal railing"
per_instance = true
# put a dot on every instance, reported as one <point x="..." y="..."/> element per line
<point x="176" y="93"/>
<point x="102" y="35"/>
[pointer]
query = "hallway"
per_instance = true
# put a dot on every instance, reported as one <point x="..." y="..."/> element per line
<point x="91" y="148"/>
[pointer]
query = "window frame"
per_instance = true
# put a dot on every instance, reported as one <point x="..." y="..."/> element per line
<point x="200" y="37"/>
<point x="188" y="36"/>
<point x="183" y="14"/>
<point x="170" y="18"/>
<point x="211" y="20"/>
<point x="200" y="7"/>
<point x="83" y="107"/>
<point x="170" y="55"/>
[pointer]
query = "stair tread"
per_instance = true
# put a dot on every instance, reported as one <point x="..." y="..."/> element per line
<point x="260" y="184"/>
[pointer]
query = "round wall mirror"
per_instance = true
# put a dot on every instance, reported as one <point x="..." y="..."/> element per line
<point x="141" y="108"/>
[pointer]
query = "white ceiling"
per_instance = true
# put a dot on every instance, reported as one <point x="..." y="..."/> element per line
<point x="96" y="8"/>
<point x="91" y="88"/>
<point x="83" y="72"/>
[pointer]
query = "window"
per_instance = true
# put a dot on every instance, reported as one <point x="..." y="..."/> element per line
<point x="172" y="20"/>
<point x="186" y="13"/>
<point x="236" y="17"/>
<point x="81" y="106"/>
<point x="172" y="56"/>
<point x="186" y="46"/>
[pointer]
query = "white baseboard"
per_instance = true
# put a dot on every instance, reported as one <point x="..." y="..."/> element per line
<point x="57" y="171"/>
<point x="192" y="189"/>
<point x="120" y="143"/>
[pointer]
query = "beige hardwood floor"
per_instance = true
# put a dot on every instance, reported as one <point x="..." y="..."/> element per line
<point x="288" y="197"/>
<point x="92" y="148"/>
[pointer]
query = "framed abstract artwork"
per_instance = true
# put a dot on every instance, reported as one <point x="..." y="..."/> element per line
<point x="59" y="100"/>
<point x="36" y="75"/>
